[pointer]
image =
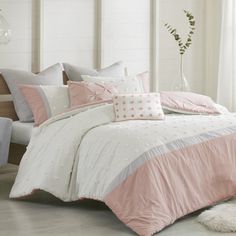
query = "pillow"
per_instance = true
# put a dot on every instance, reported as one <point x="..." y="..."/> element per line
<point x="145" y="106"/>
<point x="129" y="84"/>
<point x="145" y="80"/>
<point x="74" y="73"/>
<point x="188" y="103"/>
<point x="221" y="109"/>
<point x="51" y="76"/>
<point x="46" y="101"/>
<point x="82" y="93"/>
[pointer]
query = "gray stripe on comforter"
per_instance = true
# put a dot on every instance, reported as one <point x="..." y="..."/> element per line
<point x="169" y="147"/>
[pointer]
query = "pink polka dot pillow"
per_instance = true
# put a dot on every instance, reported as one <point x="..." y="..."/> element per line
<point x="145" y="106"/>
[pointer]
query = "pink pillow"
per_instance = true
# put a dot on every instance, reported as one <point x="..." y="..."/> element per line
<point x="145" y="106"/>
<point x="82" y="93"/>
<point x="188" y="103"/>
<point x="45" y="101"/>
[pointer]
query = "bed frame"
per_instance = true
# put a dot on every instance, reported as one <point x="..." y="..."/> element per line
<point x="7" y="110"/>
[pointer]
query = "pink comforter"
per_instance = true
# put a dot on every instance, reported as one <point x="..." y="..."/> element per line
<point x="174" y="184"/>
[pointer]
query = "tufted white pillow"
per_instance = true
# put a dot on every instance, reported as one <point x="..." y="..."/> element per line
<point x="188" y="103"/>
<point x="145" y="106"/>
<point x="75" y="72"/>
<point x="129" y="84"/>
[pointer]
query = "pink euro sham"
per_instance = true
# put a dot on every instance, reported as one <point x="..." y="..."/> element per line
<point x="82" y="93"/>
<point x="188" y="103"/>
<point x="45" y="101"/>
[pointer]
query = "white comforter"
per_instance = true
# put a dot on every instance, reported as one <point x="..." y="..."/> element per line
<point x="84" y="154"/>
<point x="51" y="160"/>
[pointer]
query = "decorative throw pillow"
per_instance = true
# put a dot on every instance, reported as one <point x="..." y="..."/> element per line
<point x="145" y="106"/>
<point x="188" y="103"/>
<point x="74" y="73"/>
<point x="46" y="101"/>
<point x="82" y="93"/>
<point x="51" y="76"/>
<point x="129" y="84"/>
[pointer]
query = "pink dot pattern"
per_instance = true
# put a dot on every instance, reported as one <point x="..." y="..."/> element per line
<point x="138" y="107"/>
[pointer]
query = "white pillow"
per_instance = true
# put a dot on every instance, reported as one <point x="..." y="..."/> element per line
<point x="74" y="72"/>
<point x="129" y="84"/>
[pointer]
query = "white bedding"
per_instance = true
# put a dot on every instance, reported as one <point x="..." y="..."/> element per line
<point x="21" y="132"/>
<point x="143" y="170"/>
<point x="66" y="139"/>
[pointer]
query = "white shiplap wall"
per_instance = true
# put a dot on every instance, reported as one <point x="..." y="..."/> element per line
<point x="213" y="31"/>
<point x="18" y="53"/>
<point x="96" y="33"/>
<point x="126" y="33"/>
<point x="68" y="32"/>
<point x="194" y="59"/>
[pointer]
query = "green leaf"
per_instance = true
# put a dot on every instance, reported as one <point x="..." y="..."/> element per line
<point x="176" y="37"/>
<point x="183" y="46"/>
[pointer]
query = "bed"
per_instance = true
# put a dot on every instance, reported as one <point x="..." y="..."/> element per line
<point x="148" y="172"/>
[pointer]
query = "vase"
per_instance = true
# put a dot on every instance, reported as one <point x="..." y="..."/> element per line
<point x="180" y="83"/>
<point x="5" y="31"/>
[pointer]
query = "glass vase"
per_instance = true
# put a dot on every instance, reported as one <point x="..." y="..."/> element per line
<point x="180" y="83"/>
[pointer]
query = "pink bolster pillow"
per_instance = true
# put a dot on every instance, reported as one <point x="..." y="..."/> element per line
<point x="188" y="103"/>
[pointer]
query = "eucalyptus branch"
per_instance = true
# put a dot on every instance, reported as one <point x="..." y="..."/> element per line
<point x="183" y="46"/>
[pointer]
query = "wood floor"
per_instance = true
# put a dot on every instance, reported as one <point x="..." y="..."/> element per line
<point x="42" y="214"/>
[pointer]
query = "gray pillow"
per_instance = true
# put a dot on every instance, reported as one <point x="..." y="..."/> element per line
<point x="14" y="78"/>
<point x="74" y="72"/>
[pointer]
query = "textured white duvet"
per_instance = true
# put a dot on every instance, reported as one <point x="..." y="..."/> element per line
<point x="84" y="154"/>
<point x="78" y="154"/>
<point x="51" y="160"/>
